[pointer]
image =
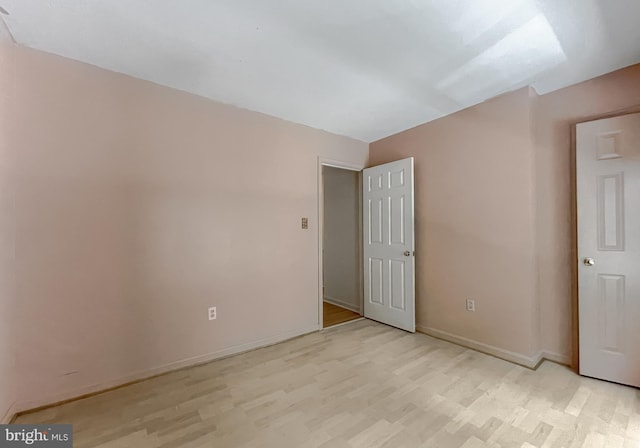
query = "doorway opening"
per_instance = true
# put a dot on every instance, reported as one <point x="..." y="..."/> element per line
<point x="341" y="282"/>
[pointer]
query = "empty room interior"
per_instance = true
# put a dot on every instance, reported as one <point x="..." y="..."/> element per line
<point x="332" y="224"/>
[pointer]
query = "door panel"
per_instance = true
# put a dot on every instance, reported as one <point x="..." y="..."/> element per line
<point x="375" y="280"/>
<point x="375" y="220"/>
<point x="611" y="295"/>
<point x="610" y="209"/>
<point x="397" y="292"/>
<point x="608" y="188"/>
<point x="389" y="295"/>
<point x="397" y="223"/>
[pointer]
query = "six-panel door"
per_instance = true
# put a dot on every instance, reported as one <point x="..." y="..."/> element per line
<point x="388" y="231"/>
<point x="608" y="189"/>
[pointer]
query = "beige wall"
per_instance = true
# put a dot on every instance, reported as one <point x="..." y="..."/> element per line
<point x="139" y="207"/>
<point x="494" y="214"/>
<point x="555" y="114"/>
<point x="341" y="237"/>
<point x="7" y="230"/>
<point x="474" y="222"/>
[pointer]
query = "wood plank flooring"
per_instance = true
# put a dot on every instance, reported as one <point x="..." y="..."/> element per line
<point x="334" y="315"/>
<point x="358" y="385"/>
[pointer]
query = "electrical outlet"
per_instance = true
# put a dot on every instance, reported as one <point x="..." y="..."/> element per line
<point x="471" y="305"/>
<point x="212" y="313"/>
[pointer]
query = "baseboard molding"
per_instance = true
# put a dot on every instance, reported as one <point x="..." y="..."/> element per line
<point x="9" y="415"/>
<point x="530" y="362"/>
<point x="342" y="303"/>
<point x="136" y="377"/>
<point x="565" y="360"/>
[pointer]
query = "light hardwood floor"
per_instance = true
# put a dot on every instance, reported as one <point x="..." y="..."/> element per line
<point x="358" y="385"/>
<point x="334" y="315"/>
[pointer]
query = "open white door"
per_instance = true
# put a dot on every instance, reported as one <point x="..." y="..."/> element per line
<point x="608" y="190"/>
<point x="389" y="269"/>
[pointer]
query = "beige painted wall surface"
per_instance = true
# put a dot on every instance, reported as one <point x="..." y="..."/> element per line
<point x="490" y="180"/>
<point x="474" y="221"/>
<point x="140" y="206"/>
<point x="7" y="229"/>
<point x="341" y="237"/>
<point x="555" y="113"/>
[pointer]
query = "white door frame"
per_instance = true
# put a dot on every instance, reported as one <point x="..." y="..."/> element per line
<point x="345" y="166"/>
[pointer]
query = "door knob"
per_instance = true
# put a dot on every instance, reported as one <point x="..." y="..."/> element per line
<point x="407" y="253"/>
<point x="589" y="261"/>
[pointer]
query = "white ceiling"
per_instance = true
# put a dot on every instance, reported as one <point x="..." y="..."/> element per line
<point x="361" y="68"/>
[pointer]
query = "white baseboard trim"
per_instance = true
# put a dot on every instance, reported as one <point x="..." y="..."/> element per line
<point x="141" y="375"/>
<point x="8" y="415"/>
<point x="342" y="303"/>
<point x="556" y="357"/>
<point x="517" y="358"/>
